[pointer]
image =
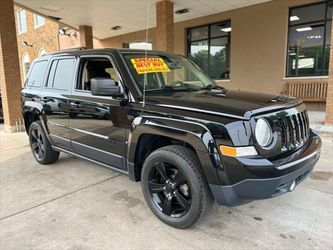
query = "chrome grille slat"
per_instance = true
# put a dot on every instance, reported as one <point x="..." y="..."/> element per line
<point x="301" y="126"/>
<point x="297" y="130"/>
<point x="291" y="132"/>
<point x="304" y="124"/>
<point x="287" y="133"/>
<point x="307" y="124"/>
<point x="294" y="130"/>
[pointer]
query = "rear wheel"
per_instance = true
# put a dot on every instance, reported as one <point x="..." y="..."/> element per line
<point x="174" y="187"/>
<point x="40" y="145"/>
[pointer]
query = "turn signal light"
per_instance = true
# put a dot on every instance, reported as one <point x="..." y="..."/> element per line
<point x="238" y="151"/>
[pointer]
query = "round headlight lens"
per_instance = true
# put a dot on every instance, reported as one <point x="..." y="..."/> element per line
<point x="263" y="133"/>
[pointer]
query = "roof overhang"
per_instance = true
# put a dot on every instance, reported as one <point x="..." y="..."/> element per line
<point x="130" y="15"/>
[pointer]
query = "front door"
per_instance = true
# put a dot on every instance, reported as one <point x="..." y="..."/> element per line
<point x="98" y="124"/>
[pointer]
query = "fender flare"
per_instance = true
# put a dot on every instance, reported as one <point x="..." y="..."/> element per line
<point x="37" y="109"/>
<point x="193" y="133"/>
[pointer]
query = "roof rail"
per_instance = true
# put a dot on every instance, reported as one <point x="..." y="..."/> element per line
<point x="77" y="48"/>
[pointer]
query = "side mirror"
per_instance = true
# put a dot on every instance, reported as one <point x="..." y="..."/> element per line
<point x="104" y="86"/>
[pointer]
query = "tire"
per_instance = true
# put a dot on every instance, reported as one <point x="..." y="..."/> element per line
<point x="189" y="195"/>
<point x="40" y="146"/>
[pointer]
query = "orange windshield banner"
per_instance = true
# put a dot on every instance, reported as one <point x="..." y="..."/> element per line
<point x="149" y="65"/>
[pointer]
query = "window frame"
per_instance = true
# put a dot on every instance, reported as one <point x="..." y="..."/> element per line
<point x="87" y="93"/>
<point x="57" y="59"/>
<point x="30" y="71"/>
<point x="19" y="21"/>
<point x="209" y="38"/>
<point x="36" y="26"/>
<point x="324" y="21"/>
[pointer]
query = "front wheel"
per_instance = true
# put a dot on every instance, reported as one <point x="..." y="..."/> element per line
<point x="40" y="145"/>
<point x="174" y="187"/>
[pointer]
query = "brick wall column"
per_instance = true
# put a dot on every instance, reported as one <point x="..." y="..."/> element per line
<point x="329" y="100"/>
<point x="10" y="78"/>
<point x="164" y="26"/>
<point x="86" y="37"/>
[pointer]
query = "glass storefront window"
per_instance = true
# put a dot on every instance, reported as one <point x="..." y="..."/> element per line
<point x="209" y="48"/>
<point x="309" y="40"/>
<point x="199" y="53"/>
<point x="199" y="33"/>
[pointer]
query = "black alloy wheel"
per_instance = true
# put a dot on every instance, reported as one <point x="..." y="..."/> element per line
<point x="169" y="189"/>
<point x="174" y="186"/>
<point x="37" y="144"/>
<point x="40" y="146"/>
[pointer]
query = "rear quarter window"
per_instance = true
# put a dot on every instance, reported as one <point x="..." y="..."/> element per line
<point x="37" y="74"/>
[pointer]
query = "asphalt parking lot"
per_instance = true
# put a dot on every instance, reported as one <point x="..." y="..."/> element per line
<point x="75" y="204"/>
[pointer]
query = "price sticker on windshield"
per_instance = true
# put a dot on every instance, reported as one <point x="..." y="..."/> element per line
<point x="149" y="65"/>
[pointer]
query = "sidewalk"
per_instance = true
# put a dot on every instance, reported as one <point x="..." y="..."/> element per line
<point x="75" y="204"/>
<point x="317" y="122"/>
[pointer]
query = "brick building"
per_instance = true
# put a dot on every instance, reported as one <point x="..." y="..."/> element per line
<point x="37" y="35"/>
<point x="276" y="46"/>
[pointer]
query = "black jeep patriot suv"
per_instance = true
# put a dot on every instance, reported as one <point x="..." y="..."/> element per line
<point x="161" y="120"/>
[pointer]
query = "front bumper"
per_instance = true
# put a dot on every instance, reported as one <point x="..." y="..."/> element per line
<point x="294" y="170"/>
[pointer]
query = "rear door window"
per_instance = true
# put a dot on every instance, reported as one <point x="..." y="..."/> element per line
<point x="37" y="74"/>
<point x="61" y="74"/>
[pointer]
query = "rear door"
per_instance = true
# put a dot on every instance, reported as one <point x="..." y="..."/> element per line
<point x="55" y="99"/>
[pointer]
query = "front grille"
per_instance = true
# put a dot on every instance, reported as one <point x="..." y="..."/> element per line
<point x="294" y="130"/>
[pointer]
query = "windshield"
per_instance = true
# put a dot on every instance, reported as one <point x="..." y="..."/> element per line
<point x="166" y="72"/>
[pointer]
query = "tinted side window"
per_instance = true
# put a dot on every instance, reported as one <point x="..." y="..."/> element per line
<point x="37" y="74"/>
<point x="61" y="74"/>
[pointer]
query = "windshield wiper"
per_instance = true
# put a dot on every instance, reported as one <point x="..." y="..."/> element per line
<point x="185" y="87"/>
<point x="168" y="88"/>
<point x="182" y="88"/>
<point x="211" y="86"/>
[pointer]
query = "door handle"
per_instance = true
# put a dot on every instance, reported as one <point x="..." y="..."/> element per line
<point x="75" y="104"/>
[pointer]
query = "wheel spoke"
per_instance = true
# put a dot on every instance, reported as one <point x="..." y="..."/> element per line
<point x="167" y="208"/>
<point x="182" y="201"/>
<point x="34" y="146"/>
<point x="161" y="170"/>
<point x="40" y="153"/>
<point x="155" y="187"/>
<point x="42" y="148"/>
<point x="179" y="178"/>
<point x="34" y="134"/>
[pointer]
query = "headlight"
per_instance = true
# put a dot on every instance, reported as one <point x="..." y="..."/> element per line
<point x="263" y="132"/>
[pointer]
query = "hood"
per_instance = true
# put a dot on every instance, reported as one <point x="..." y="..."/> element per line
<point x="224" y="102"/>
